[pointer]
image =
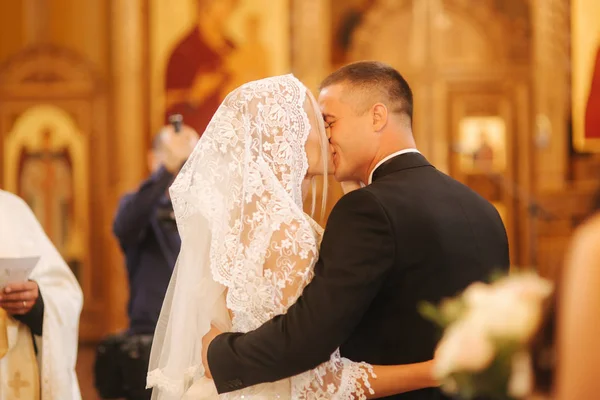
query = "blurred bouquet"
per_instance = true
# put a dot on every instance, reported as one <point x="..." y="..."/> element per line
<point x="487" y="330"/>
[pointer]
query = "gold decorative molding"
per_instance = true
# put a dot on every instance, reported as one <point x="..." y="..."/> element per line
<point x="27" y="136"/>
<point x="550" y="89"/>
<point x="129" y="136"/>
<point x="311" y="41"/>
<point x="48" y="70"/>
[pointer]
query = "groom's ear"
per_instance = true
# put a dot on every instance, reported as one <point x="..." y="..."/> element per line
<point x="380" y="117"/>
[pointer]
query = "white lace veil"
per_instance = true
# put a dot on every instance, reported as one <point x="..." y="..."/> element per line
<point x="251" y="157"/>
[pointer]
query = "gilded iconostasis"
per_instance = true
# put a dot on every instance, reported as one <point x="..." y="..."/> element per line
<point x="84" y="86"/>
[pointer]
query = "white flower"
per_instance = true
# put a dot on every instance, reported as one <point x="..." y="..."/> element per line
<point x="476" y="293"/>
<point x="505" y="317"/>
<point x="510" y="308"/>
<point x="528" y="287"/>
<point x="507" y="311"/>
<point x="464" y="347"/>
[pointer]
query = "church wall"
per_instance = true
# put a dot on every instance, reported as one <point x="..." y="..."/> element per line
<point x="469" y="62"/>
<point x="83" y="27"/>
<point x="12" y="25"/>
<point x="72" y="42"/>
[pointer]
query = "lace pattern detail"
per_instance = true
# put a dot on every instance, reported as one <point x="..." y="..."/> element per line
<point x="175" y="387"/>
<point x="339" y="379"/>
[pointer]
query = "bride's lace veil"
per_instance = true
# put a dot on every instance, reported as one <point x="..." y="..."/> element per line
<point x="241" y="184"/>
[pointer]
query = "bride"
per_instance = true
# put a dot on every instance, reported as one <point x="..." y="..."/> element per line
<point x="248" y="249"/>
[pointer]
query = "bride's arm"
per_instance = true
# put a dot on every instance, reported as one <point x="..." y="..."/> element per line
<point x="387" y="380"/>
<point x="395" y="379"/>
<point x="342" y="378"/>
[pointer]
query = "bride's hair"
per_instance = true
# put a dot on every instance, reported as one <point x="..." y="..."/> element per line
<point x="324" y="142"/>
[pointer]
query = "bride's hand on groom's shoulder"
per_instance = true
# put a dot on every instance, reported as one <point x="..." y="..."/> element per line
<point x="206" y="341"/>
<point x="349" y="186"/>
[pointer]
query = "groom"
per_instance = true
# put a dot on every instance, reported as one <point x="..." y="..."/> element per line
<point x="412" y="234"/>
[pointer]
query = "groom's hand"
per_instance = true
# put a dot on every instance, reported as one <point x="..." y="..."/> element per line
<point x="206" y="341"/>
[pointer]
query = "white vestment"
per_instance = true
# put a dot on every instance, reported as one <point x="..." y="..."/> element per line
<point x="21" y="235"/>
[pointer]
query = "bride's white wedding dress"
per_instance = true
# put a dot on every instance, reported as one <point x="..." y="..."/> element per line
<point x="248" y="249"/>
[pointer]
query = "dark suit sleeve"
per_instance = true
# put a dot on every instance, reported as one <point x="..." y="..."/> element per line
<point x="135" y="209"/>
<point x="34" y="319"/>
<point x="356" y="254"/>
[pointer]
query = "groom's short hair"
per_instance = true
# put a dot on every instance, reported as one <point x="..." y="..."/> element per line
<point x="374" y="81"/>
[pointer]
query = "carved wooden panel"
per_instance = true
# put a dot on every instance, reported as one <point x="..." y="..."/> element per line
<point x="564" y="212"/>
<point x="486" y="152"/>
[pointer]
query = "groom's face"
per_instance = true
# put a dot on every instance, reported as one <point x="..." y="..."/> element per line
<point x="349" y="130"/>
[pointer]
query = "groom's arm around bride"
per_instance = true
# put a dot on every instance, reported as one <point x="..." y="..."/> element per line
<point x="412" y="234"/>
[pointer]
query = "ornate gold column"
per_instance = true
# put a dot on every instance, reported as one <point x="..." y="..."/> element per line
<point x="128" y="146"/>
<point x="311" y="41"/>
<point x="551" y="92"/>
<point x="35" y="28"/>
<point x="310" y="54"/>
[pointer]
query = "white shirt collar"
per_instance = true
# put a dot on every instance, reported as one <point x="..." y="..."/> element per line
<point x="405" y="151"/>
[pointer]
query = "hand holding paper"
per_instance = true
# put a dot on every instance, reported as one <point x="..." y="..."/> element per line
<point x="19" y="298"/>
<point x="18" y="295"/>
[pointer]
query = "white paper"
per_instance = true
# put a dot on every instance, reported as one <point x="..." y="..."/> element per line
<point x="16" y="270"/>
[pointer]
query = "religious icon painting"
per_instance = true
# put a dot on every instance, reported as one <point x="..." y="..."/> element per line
<point x="585" y="51"/>
<point x="203" y="49"/>
<point x="482" y="144"/>
<point x="45" y="163"/>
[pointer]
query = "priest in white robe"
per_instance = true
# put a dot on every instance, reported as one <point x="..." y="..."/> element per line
<point x="39" y="318"/>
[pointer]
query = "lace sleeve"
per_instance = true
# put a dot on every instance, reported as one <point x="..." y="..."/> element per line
<point x="338" y="378"/>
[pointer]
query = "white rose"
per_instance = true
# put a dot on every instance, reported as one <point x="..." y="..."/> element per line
<point x="476" y="294"/>
<point x="528" y="287"/>
<point x="464" y="347"/>
<point x="510" y="308"/>
<point x="508" y="317"/>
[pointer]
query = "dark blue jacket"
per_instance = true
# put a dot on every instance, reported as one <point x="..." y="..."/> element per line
<point x="146" y="230"/>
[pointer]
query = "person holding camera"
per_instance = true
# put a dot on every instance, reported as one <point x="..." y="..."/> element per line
<point x="147" y="233"/>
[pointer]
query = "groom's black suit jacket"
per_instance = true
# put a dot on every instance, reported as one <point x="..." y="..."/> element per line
<point x="413" y="235"/>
